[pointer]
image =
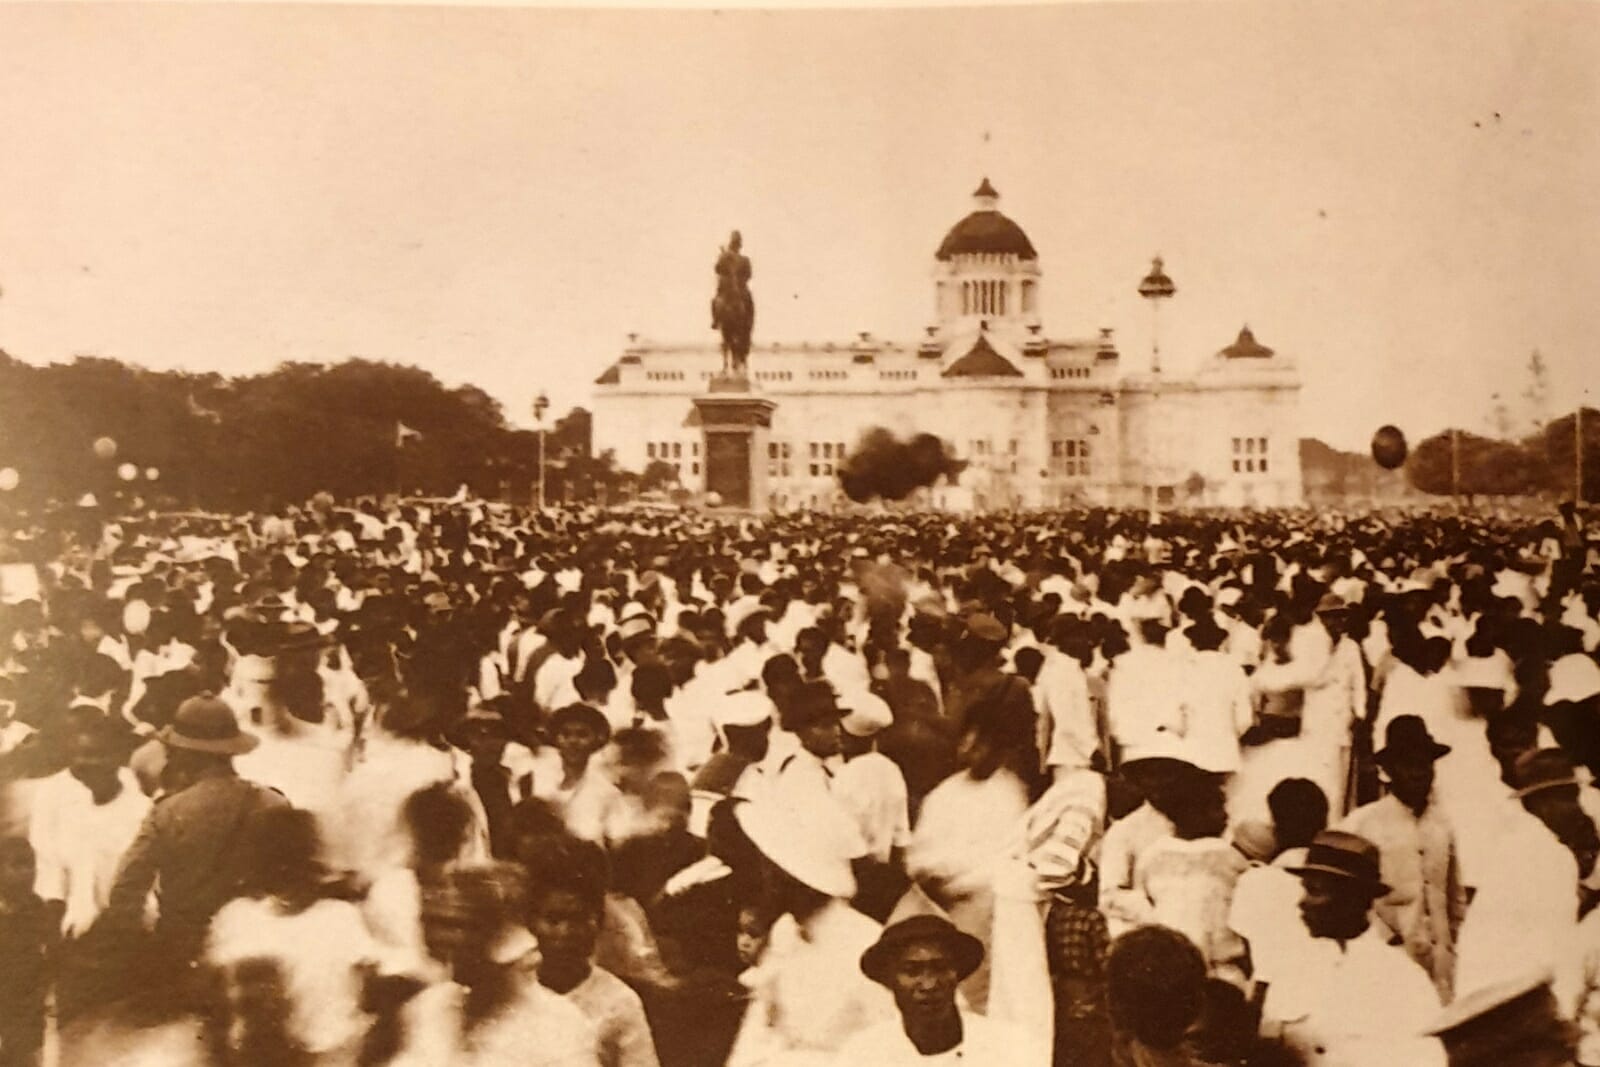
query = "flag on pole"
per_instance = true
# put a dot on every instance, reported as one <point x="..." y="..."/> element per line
<point x="404" y="433"/>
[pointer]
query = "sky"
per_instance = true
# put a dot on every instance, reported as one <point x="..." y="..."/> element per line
<point x="1400" y="194"/>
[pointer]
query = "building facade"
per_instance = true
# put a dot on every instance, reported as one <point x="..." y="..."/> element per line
<point x="1041" y="421"/>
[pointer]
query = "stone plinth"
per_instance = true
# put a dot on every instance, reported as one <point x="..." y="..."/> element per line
<point x="736" y="425"/>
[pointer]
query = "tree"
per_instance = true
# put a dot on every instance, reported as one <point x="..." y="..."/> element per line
<point x="659" y="474"/>
<point x="1558" y="446"/>
<point x="1487" y="467"/>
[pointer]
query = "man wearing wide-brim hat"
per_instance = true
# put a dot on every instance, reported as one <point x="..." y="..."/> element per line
<point x="808" y="996"/>
<point x="1417" y="849"/>
<point x="1526" y="908"/>
<point x="1515" y="1023"/>
<point x="190" y="844"/>
<point x="922" y="960"/>
<point x="1352" y="998"/>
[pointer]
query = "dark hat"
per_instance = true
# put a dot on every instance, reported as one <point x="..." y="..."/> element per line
<point x="1541" y="769"/>
<point x="1408" y="736"/>
<point x="1350" y="856"/>
<point x="986" y="627"/>
<point x="584" y="713"/>
<point x="205" y="724"/>
<point x="966" y="951"/>
<point x="813" y="704"/>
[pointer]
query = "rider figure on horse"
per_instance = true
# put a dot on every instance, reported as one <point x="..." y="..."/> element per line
<point x="733" y="310"/>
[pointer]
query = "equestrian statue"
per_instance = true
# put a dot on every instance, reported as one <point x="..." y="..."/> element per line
<point x="733" y="309"/>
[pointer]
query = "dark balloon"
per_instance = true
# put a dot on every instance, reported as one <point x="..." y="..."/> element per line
<point x="1389" y="447"/>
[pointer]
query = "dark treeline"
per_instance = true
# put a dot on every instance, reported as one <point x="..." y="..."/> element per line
<point x="268" y="439"/>
<point x="1544" y="462"/>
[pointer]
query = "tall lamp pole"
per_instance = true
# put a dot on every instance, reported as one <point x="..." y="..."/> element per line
<point x="1155" y="288"/>
<point x="541" y="404"/>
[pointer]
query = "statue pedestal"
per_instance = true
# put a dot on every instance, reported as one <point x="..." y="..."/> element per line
<point x="736" y="425"/>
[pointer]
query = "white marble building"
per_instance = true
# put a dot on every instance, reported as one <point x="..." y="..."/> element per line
<point x="1042" y="421"/>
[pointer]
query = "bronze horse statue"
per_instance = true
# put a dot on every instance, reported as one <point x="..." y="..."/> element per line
<point x="733" y="309"/>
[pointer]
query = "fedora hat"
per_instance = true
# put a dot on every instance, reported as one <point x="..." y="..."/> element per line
<point x="1349" y="856"/>
<point x="966" y="951"/>
<point x="204" y="723"/>
<point x="1407" y="735"/>
<point x="1545" y="768"/>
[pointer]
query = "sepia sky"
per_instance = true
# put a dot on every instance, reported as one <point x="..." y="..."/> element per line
<point x="1404" y="195"/>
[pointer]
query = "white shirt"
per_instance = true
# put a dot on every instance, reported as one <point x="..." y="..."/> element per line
<point x="1360" y="1004"/>
<point x="1062" y="698"/>
<point x="1217" y="709"/>
<point x="79" y="844"/>
<point x="807" y="992"/>
<point x="873" y="789"/>
<point x="984" y="1043"/>
<point x="321" y="951"/>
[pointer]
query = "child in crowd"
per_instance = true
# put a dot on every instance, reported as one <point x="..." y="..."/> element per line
<point x="565" y="910"/>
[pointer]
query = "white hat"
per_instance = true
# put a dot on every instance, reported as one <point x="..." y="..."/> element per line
<point x="814" y="846"/>
<point x="741" y="611"/>
<point x="1228" y="596"/>
<point x="635" y="624"/>
<point x="1572" y="677"/>
<point x="865" y="713"/>
<point x="747" y="707"/>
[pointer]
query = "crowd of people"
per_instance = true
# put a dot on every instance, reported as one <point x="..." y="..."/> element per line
<point x="447" y="782"/>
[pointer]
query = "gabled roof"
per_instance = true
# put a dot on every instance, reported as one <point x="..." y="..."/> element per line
<point x="610" y="376"/>
<point x="1247" y="347"/>
<point x="982" y="361"/>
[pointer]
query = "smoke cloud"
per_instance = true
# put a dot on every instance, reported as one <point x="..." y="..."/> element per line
<point x="885" y="467"/>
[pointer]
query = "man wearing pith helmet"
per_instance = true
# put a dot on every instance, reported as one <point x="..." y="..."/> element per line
<point x="189" y="847"/>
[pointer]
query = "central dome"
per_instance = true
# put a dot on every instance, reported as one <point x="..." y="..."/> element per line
<point x="986" y="232"/>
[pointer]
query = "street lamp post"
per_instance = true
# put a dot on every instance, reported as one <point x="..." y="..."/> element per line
<point x="541" y="404"/>
<point x="1156" y="287"/>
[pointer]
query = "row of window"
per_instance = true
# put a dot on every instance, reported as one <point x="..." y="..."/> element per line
<point x="1250" y="466"/>
<point x="1069" y="372"/>
<point x="981" y="446"/>
<point x="664" y="375"/>
<point x="1249" y="446"/>
<point x="774" y="375"/>
<point x="829" y="375"/>
<point x="897" y="375"/>
<point x="670" y="449"/>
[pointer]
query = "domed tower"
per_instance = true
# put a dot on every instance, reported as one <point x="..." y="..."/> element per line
<point x="986" y="271"/>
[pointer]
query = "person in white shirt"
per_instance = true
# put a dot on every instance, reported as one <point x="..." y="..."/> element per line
<point x="808" y="996"/>
<point x="1353" y="999"/>
<point x="869" y="783"/>
<point x="1217" y="706"/>
<point x="553" y="682"/>
<point x="1417" y="848"/>
<point x="1065" y="708"/>
<point x="82" y="820"/>
<point x="922" y="961"/>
